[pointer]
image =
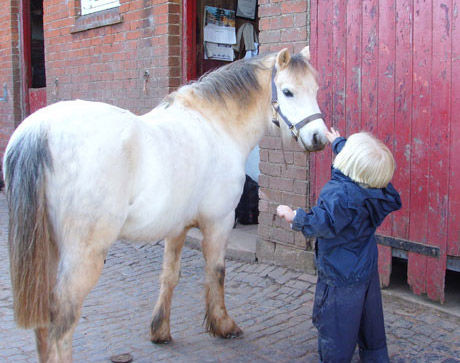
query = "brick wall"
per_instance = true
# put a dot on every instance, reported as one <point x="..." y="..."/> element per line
<point x="127" y="56"/>
<point x="284" y="178"/>
<point x="10" y="112"/>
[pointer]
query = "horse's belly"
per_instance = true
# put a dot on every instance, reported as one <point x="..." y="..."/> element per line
<point x="153" y="220"/>
<point x="168" y="205"/>
<point x="165" y="203"/>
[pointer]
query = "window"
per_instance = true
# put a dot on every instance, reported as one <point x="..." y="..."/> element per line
<point x="92" y="6"/>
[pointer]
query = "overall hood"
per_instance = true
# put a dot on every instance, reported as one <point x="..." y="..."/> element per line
<point x="379" y="202"/>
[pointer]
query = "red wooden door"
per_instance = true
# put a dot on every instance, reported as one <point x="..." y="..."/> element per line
<point x="37" y="99"/>
<point x="189" y="71"/>
<point x="393" y="68"/>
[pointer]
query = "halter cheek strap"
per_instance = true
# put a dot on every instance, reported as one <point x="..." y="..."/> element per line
<point x="295" y="129"/>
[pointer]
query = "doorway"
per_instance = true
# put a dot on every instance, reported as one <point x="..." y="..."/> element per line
<point x="195" y="62"/>
<point x="199" y="58"/>
<point x="34" y="74"/>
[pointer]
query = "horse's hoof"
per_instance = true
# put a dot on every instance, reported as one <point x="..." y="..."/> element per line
<point x="160" y="340"/>
<point x="236" y="332"/>
<point x="234" y="335"/>
<point x="223" y="328"/>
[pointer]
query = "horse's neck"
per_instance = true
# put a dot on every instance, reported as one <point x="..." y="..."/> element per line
<point x="251" y="131"/>
<point x="250" y="121"/>
<point x="245" y="124"/>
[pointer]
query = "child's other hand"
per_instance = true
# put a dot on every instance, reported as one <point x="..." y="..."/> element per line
<point x="285" y="212"/>
<point x="332" y="135"/>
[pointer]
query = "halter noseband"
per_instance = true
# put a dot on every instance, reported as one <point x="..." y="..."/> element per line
<point x="295" y="129"/>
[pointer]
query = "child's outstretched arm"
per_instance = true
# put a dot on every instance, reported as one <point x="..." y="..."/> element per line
<point x="326" y="220"/>
<point x="286" y="213"/>
<point x="337" y="141"/>
<point x="332" y="135"/>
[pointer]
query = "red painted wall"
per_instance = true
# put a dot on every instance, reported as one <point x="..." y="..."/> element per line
<point x="392" y="68"/>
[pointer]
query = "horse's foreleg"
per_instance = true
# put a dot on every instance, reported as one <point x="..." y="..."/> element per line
<point x="160" y="327"/>
<point x="214" y="244"/>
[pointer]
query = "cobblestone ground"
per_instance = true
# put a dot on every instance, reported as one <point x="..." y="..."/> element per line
<point x="271" y="304"/>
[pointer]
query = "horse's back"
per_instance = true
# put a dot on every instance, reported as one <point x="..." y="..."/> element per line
<point x="90" y="142"/>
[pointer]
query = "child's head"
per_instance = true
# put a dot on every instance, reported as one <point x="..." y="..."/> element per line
<point x="366" y="160"/>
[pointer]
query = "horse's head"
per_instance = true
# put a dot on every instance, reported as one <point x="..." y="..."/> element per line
<point x="294" y="90"/>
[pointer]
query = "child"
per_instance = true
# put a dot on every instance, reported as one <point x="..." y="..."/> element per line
<point x="348" y="305"/>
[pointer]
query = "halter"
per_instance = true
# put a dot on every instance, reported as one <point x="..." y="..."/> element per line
<point x="295" y="129"/>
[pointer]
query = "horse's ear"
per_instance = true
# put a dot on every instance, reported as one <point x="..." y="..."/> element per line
<point x="283" y="58"/>
<point x="306" y="52"/>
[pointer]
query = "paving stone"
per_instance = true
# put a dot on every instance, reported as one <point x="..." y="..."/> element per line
<point x="403" y="333"/>
<point x="272" y="304"/>
<point x="309" y="278"/>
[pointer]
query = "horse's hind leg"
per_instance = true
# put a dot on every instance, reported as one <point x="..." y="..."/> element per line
<point x="160" y="326"/>
<point x="41" y="338"/>
<point x="77" y="275"/>
<point x="214" y="244"/>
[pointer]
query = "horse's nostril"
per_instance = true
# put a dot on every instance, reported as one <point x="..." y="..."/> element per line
<point x="315" y="138"/>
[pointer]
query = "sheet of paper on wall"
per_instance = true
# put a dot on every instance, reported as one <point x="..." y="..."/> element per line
<point x="218" y="51"/>
<point x="246" y="9"/>
<point x="219" y="25"/>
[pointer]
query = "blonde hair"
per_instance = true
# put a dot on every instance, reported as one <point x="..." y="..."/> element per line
<point x="366" y="160"/>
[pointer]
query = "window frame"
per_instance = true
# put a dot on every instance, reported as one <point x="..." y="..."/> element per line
<point x="88" y="7"/>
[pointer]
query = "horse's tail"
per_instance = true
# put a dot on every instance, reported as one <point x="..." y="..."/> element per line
<point x="32" y="248"/>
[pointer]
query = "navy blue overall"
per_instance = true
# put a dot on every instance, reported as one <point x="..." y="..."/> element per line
<point x="348" y="304"/>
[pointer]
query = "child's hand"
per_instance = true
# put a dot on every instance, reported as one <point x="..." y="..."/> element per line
<point x="285" y="212"/>
<point x="332" y="135"/>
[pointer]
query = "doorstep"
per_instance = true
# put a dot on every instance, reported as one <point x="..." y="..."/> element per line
<point x="241" y="245"/>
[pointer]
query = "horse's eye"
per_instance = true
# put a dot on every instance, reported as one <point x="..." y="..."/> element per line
<point x="287" y="93"/>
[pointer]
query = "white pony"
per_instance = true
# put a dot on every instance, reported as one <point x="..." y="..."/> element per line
<point x="79" y="175"/>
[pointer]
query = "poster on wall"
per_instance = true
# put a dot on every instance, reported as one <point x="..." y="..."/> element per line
<point x="246" y="9"/>
<point x="219" y="51"/>
<point x="219" y="33"/>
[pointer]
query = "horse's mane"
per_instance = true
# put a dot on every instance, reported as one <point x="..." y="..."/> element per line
<point x="237" y="80"/>
<point x="299" y="64"/>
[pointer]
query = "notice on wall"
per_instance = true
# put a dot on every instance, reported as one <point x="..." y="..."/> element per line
<point x="219" y="33"/>
<point x="219" y="25"/>
<point x="219" y="51"/>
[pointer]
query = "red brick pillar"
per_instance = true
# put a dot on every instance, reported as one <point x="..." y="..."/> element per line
<point x="284" y="176"/>
<point x="10" y="85"/>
